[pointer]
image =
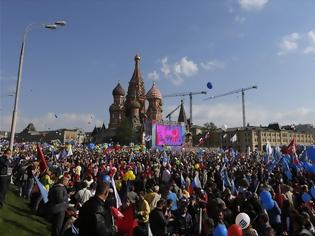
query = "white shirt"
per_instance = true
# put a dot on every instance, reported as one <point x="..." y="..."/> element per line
<point x="83" y="195"/>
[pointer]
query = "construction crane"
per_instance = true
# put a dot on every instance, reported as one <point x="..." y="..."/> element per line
<point x="190" y="94"/>
<point x="171" y="113"/>
<point x="242" y="90"/>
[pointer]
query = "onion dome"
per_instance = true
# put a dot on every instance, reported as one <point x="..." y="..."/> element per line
<point x="118" y="90"/>
<point x="154" y="93"/>
<point x="135" y="105"/>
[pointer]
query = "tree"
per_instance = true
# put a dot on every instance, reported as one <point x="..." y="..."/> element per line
<point x="210" y="126"/>
<point x="125" y="133"/>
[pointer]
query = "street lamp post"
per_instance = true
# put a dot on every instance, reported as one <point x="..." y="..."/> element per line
<point x="21" y="59"/>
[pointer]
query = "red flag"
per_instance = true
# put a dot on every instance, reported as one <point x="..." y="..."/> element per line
<point x="291" y="149"/>
<point x="42" y="160"/>
<point x="116" y="213"/>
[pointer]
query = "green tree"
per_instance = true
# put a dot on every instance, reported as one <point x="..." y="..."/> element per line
<point x="210" y="126"/>
<point x="125" y="133"/>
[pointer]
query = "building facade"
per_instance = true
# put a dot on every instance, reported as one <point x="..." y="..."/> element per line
<point x="30" y="134"/>
<point x="256" y="138"/>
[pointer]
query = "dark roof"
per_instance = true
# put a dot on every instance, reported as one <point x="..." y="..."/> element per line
<point x="119" y="90"/>
<point x="182" y="114"/>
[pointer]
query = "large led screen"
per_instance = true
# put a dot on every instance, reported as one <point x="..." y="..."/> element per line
<point x="169" y="135"/>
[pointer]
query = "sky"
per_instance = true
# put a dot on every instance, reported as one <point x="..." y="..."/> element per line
<point x="69" y="73"/>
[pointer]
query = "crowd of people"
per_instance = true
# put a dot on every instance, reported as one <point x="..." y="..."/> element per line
<point x="114" y="190"/>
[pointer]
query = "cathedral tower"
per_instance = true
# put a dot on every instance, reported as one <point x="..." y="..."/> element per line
<point x="117" y="109"/>
<point x="154" y="97"/>
<point x="136" y="92"/>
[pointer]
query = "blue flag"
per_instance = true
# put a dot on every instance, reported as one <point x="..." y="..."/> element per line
<point x="225" y="177"/>
<point x="286" y="168"/>
<point x="42" y="189"/>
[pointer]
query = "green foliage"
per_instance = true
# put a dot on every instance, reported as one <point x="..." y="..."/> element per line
<point x="17" y="219"/>
<point x="124" y="133"/>
<point x="210" y="126"/>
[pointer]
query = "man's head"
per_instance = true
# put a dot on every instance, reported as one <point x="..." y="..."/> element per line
<point x="102" y="190"/>
<point x="160" y="204"/>
<point x="7" y="153"/>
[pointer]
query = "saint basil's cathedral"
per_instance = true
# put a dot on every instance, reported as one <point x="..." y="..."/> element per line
<point x="131" y="107"/>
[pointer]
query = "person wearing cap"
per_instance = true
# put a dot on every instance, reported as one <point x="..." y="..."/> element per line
<point x="4" y="175"/>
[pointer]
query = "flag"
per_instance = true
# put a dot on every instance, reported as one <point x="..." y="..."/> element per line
<point x="268" y="149"/>
<point x="207" y="135"/>
<point x="70" y="153"/>
<point x="182" y="180"/>
<point x="272" y="165"/>
<point x="196" y="182"/>
<point x="64" y="153"/>
<point x="291" y="148"/>
<point x="43" y="166"/>
<point x="116" y="213"/>
<point x="43" y="191"/>
<point x="266" y="158"/>
<point x="234" y="138"/>
<point x="201" y="141"/>
<point x="117" y="197"/>
<point x="286" y="168"/>
<point x="225" y="177"/>
<point x="74" y="230"/>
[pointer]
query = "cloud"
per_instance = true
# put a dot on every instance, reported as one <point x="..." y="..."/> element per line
<point x="212" y="65"/>
<point x="311" y="47"/>
<point x="86" y="121"/>
<point x="250" y="5"/>
<point x="289" y="43"/>
<point x="178" y="71"/>
<point x="231" y="114"/>
<point x="153" y="76"/>
<point x="239" y="19"/>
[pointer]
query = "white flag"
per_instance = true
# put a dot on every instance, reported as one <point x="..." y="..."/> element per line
<point x="268" y="149"/>
<point x="234" y="138"/>
<point x="70" y="153"/>
<point x="118" y="201"/>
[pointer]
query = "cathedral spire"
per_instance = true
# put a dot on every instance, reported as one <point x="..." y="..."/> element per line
<point x="137" y="73"/>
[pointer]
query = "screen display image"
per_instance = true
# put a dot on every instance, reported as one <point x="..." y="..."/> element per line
<point x="170" y="135"/>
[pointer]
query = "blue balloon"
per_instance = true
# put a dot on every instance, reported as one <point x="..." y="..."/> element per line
<point x="209" y="85"/>
<point x="313" y="191"/>
<point x="265" y="196"/>
<point x="306" y="197"/>
<point x="106" y="179"/>
<point x="268" y="205"/>
<point x="220" y="230"/>
<point x="311" y="153"/>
